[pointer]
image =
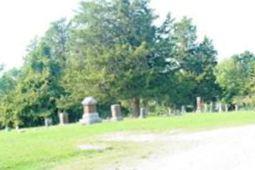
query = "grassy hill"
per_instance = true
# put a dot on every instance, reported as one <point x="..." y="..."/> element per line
<point x="53" y="147"/>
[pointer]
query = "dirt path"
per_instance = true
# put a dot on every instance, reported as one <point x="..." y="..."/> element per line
<point x="222" y="149"/>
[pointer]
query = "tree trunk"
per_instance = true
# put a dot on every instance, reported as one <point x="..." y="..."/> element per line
<point x="136" y="107"/>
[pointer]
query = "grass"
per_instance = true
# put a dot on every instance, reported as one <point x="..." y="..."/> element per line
<point x="51" y="148"/>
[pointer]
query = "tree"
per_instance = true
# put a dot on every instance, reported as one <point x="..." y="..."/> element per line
<point x="204" y="65"/>
<point x="35" y="90"/>
<point x="8" y="82"/>
<point x="235" y="76"/>
<point x="196" y="61"/>
<point x="114" y="54"/>
<point x="57" y="38"/>
<point x="38" y="87"/>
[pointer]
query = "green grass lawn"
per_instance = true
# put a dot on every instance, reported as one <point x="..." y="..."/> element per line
<point x="50" y="148"/>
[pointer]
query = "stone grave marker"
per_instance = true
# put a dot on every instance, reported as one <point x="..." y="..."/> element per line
<point x="116" y="112"/>
<point x="205" y="108"/>
<point x="63" y="118"/>
<point x="226" y="107"/>
<point x="183" y="109"/>
<point x="90" y="115"/>
<point x="7" y="128"/>
<point x="48" y="122"/>
<point x="142" y="113"/>
<point x="236" y="107"/>
<point x="211" y="109"/>
<point x="219" y="107"/>
<point x="199" y="105"/>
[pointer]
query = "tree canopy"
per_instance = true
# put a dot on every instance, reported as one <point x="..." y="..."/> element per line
<point x="113" y="50"/>
<point x="236" y="77"/>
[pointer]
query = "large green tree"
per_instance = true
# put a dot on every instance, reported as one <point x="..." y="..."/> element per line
<point x="117" y="52"/>
<point x="8" y="82"/>
<point x="197" y="61"/>
<point x="38" y="89"/>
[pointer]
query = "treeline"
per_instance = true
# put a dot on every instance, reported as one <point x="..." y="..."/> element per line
<point x="236" y="76"/>
<point x="114" y="51"/>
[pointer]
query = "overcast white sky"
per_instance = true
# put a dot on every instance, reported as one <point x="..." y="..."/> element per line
<point x="230" y="23"/>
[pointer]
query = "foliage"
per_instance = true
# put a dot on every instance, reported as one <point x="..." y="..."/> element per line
<point x="8" y="83"/>
<point x="111" y="50"/>
<point x="33" y="94"/>
<point x="235" y="76"/>
<point x="118" y="60"/>
<point x="196" y="62"/>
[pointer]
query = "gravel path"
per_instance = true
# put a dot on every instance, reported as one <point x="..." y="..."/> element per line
<point x="221" y="149"/>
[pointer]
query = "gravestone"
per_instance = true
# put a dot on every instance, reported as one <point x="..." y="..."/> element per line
<point x="63" y="118"/>
<point x="183" y="109"/>
<point x="142" y="113"/>
<point x="236" y="107"/>
<point x="7" y="128"/>
<point x="47" y="122"/>
<point x="116" y="112"/>
<point x="211" y="107"/>
<point x="205" y="108"/>
<point x="199" y="105"/>
<point x="219" y="107"/>
<point x="169" y="111"/>
<point x="226" y="107"/>
<point x="90" y="115"/>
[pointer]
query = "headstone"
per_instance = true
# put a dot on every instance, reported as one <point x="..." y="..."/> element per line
<point x="177" y="112"/>
<point x="48" y="122"/>
<point x="116" y="112"/>
<point x="63" y="118"/>
<point x="183" y="109"/>
<point x="211" y="107"/>
<point x="219" y="107"/>
<point x="142" y="112"/>
<point x="226" y="107"/>
<point x="236" y="107"/>
<point x="199" y="105"/>
<point x="90" y="115"/>
<point x="205" y="108"/>
<point x="7" y="128"/>
<point x="169" y="111"/>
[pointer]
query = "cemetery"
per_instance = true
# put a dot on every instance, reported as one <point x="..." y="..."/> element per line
<point x="59" y="146"/>
<point x="82" y="145"/>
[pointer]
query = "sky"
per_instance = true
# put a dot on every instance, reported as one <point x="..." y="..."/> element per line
<point x="229" y="23"/>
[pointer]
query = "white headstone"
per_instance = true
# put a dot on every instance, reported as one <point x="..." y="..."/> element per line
<point x="183" y="109"/>
<point x="48" y="122"/>
<point x="142" y="113"/>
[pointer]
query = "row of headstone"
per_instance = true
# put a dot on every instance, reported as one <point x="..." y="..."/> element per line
<point x="212" y="107"/>
<point x="63" y="119"/>
<point x="90" y="114"/>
